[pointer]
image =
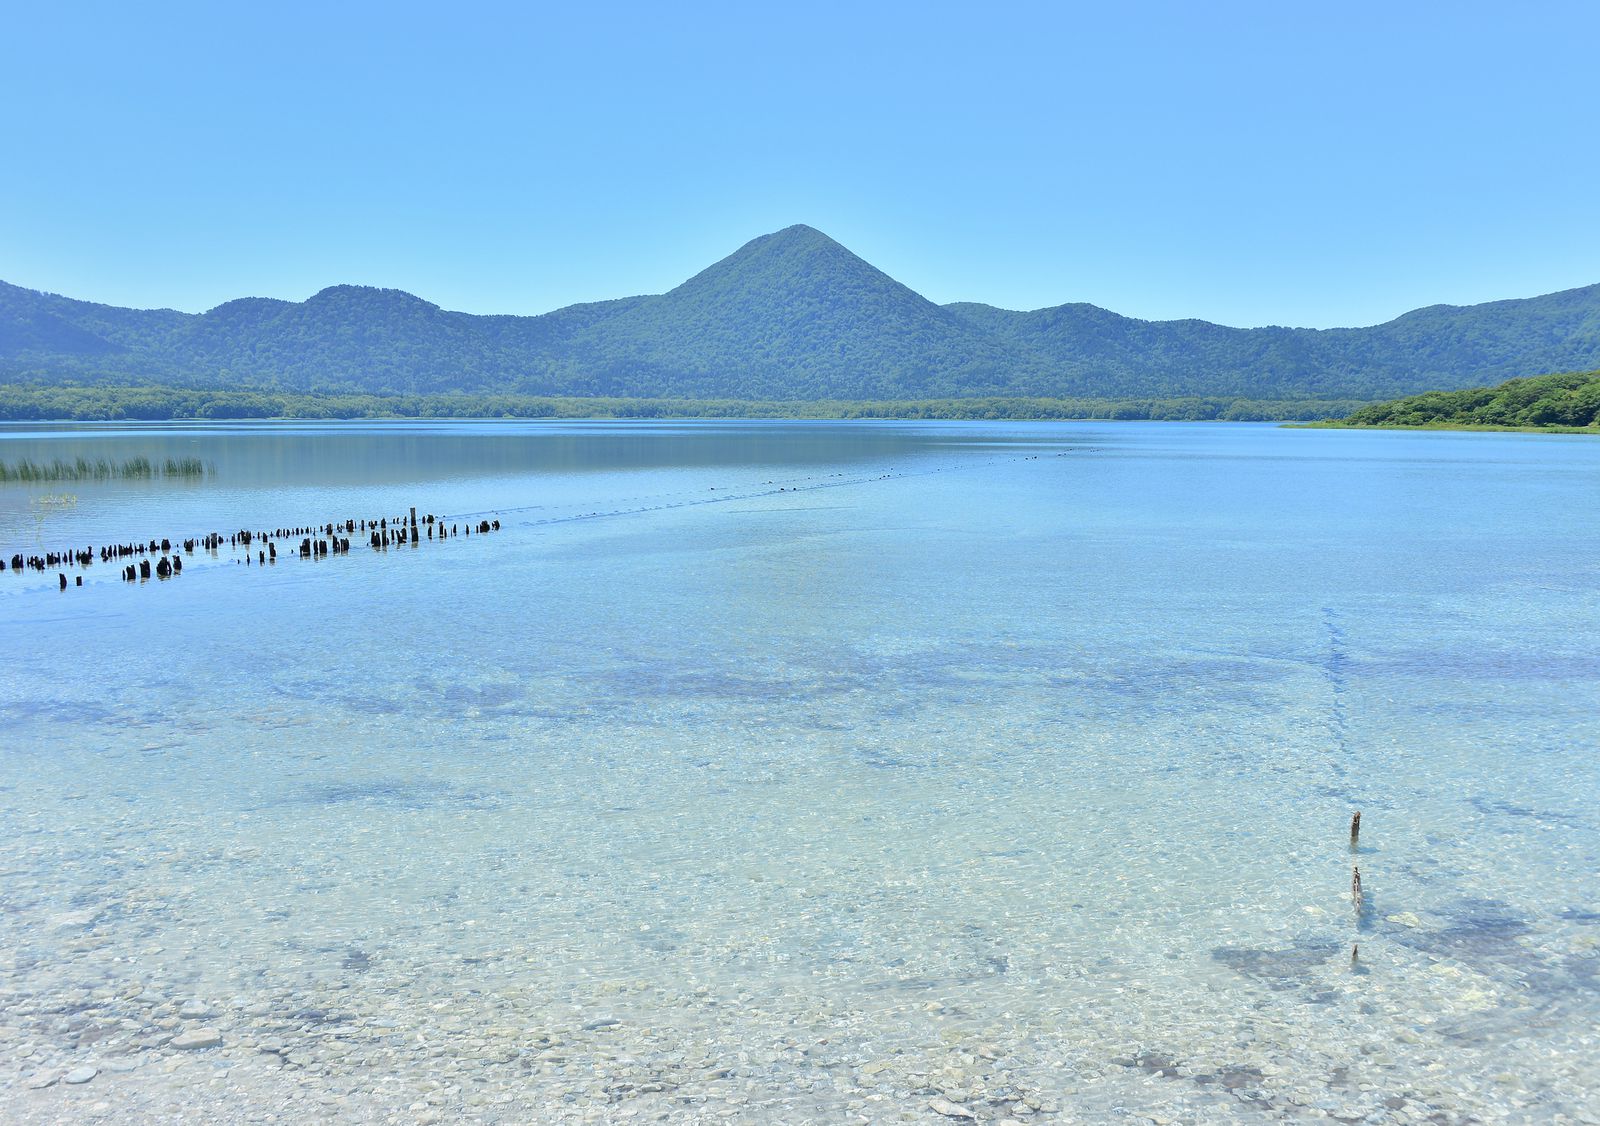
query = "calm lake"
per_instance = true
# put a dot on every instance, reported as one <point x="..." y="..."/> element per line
<point x="790" y="772"/>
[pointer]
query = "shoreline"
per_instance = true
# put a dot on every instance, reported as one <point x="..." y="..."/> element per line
<point x="1339" y="424"/>
<point x="162" y="404"/>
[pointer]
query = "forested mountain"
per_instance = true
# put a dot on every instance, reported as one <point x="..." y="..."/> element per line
<point x="790" y="316"/>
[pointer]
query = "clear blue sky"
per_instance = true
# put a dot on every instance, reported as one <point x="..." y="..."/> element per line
<point x="1250" y="163"/>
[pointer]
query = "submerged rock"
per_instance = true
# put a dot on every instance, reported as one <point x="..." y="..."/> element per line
<point x="70" y="922"/>
<point x="197" y="1038"/>
<point x="1279" y="968"/>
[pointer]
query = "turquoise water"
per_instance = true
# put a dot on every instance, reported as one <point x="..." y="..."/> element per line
<point x="792" y="772"/>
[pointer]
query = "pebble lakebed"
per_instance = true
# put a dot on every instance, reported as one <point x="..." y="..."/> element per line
<point x="953" y="871"/>
<point x="187" y="991"/>
<point x="130" y="1050"/>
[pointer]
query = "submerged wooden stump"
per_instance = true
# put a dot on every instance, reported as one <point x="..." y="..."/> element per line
<point x="162" y="557"/>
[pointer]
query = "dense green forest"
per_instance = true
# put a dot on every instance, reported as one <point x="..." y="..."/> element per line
<point x="791" y="316"/>
<point x="158" y="403"/>
<point x="1568" y="400"/>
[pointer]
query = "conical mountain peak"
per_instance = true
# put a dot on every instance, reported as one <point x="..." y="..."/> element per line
<point x="797" y="256"/>
<point x="798" y="292"/>
<point x="370" y="297"/>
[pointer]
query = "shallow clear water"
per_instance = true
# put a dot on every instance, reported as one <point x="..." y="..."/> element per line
<point x="810" y="772"/>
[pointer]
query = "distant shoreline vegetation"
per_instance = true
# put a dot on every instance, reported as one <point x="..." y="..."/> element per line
<point x="111" y="404"/>
<point x="1566" y="403"/>
<point x="29" y="472"/>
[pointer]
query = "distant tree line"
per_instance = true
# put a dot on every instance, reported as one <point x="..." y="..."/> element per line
<point x="100" y="403"/>
<point x="1567" y="400"/>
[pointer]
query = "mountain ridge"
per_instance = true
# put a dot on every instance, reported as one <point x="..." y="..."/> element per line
<point x="790" y="315"/>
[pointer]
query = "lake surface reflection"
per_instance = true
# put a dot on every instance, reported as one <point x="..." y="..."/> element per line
<point x="779" y="772"/>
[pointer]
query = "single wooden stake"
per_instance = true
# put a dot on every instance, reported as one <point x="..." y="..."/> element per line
<point x="1355" y="828"/>
<point x="1355" y="955"/>
<point x="1355" y="890"/>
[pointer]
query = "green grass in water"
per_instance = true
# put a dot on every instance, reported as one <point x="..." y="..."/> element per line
<point x="27" y="471"/>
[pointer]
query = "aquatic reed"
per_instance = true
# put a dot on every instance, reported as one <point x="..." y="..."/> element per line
<point x="27" y="471"/>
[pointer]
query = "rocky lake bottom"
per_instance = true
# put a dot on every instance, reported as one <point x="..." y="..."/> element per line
<point x="950" y="773"/>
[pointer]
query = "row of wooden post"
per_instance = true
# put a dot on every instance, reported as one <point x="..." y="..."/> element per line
<point x="1357" y="898"/>
<point x="161" y="559"/>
